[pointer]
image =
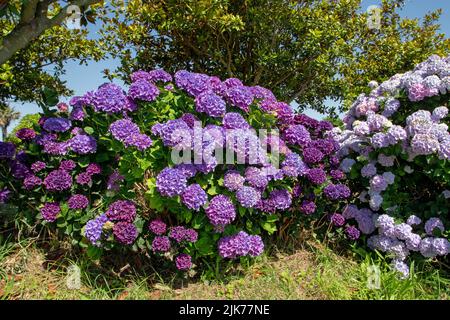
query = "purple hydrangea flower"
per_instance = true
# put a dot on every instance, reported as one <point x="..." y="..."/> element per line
<point x="26" y="134"/>
<point x="316" y="176"/>
<point x="240" y="96"/>
<point x="77" y="114"/>
<point x="171" y="182"/>
<point x="337" y="219"/>
<point x="352" y="233"/>
<point x="94" y="229"/>
<point x="210" y="103"/>
<point x="233" y="120"/>
<point x="297" y="134"/>
<point x="121" y="210"/>
<point x="256" y="178"/>
<point x="110" y="98"/>
<point x="78" y="202"/>
<point x="308" y="207"/>
<point x="378" y="184"/>
<point x="93" y="169"/>
<point x="281" y="199"/>
<point x="158" y="227"/>
<point x="386" y="161"/>
<point x="58" y="180"/>
<point x="143" y="90"/>
<point x="57" y="124"/>
<point x="157" y="75"/>
<point x="312" y="155"/>
<point x="336" y="191"/>
<point x="161" y="244"/>
<point x="369" y="170"/>
<point x="221" y="210"/>
<point x="4" y="195"/>
<point x="84" y="178"/>
<point x="67" y="165"/>
<point x="194" y="197"/>
<point x="114" y="181"/>
<point x="83" y="144"/>
<point x="183" y="262"/>
<point x="248" y="197"/>
<point x="413" y="220"/>
<point x="50" y="210"/>
<point x="31" y="182"/>
<point x="38" y="166"/>
<point x="240" y="244"/>
<point x="125" y="232"/>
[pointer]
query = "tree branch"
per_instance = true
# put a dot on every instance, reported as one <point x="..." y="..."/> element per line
<point x="23" y="34"/>
<point x="28" y="11"/>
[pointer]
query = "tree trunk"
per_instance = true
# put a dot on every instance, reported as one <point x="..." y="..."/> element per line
<point x="4" y="132"/>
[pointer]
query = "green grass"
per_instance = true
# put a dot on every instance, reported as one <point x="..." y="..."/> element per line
<point x="315" y="272"/>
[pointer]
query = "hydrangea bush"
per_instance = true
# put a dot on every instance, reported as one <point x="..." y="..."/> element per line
<point x="150" y="169"/>
<point x="396" y="150"/>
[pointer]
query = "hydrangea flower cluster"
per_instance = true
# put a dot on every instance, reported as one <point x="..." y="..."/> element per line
<point x="395" y="146"/>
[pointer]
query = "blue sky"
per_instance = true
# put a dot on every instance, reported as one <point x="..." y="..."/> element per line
<point x="82" y="78"/>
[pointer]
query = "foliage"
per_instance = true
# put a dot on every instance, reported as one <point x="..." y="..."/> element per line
<point x="304" y="51"/>
<point x="7" y="115"/>
<point x="39" y="63"/>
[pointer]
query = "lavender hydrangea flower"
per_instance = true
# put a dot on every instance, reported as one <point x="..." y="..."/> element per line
<point x="78" y="202"/>
<point x="386" y="161"/>
<point x="293" y="165"/>
<point x="94" y="229"/>
<point x="233" y="180"/>
<point x="378" y="183"/>
<point x="183" y="262"/>
<point x="221" y="210"/>
<point x="58" y="180"/>
<point x="158" y="227"/>
<point x="347" y="164"/>
<point x="369" y="170"/>
<point x="379" y="140"/>
<point x="125" y="232"/>
<point x="171" y="182"/>
<point x="248" y="197"/>
<point x="143" y="90"/>
<point x="256" y="178"/>
<point x="194" y="197"/>
<point x="401" y="267"/>
<point x="239" y="245"/>
<point x="432" y="224"/>
<point x="413" y="220"/>
<point x="50" y="211"/>
<point x="67" y="165"/>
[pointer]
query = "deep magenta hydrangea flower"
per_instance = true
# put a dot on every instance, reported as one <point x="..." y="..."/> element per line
<point x="312" y="155"/>
<point x="78" y="202"/>
<point x="38" y="166"/>
<point x="337" y="219"/>
<point x="31" y="182"/>
<point x="352" y="233"/>
<point x="58" y="180"/>
<point x="26" y="134"/>
<point x="121" y="210"/>
<point x="183" y="262"/>
<point x="161" y="244"/>
<point x="125" y="232"/>
<point x="93" y="169"/>
<point x="308" y="207"/>
<point x="158" y="227"/>
<point x="194" y="197"/>
<point x="84" y="178"/>
<point x="67" y="165"/>
<point x="50" y="211"/>
<point x="220" y="210"/>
